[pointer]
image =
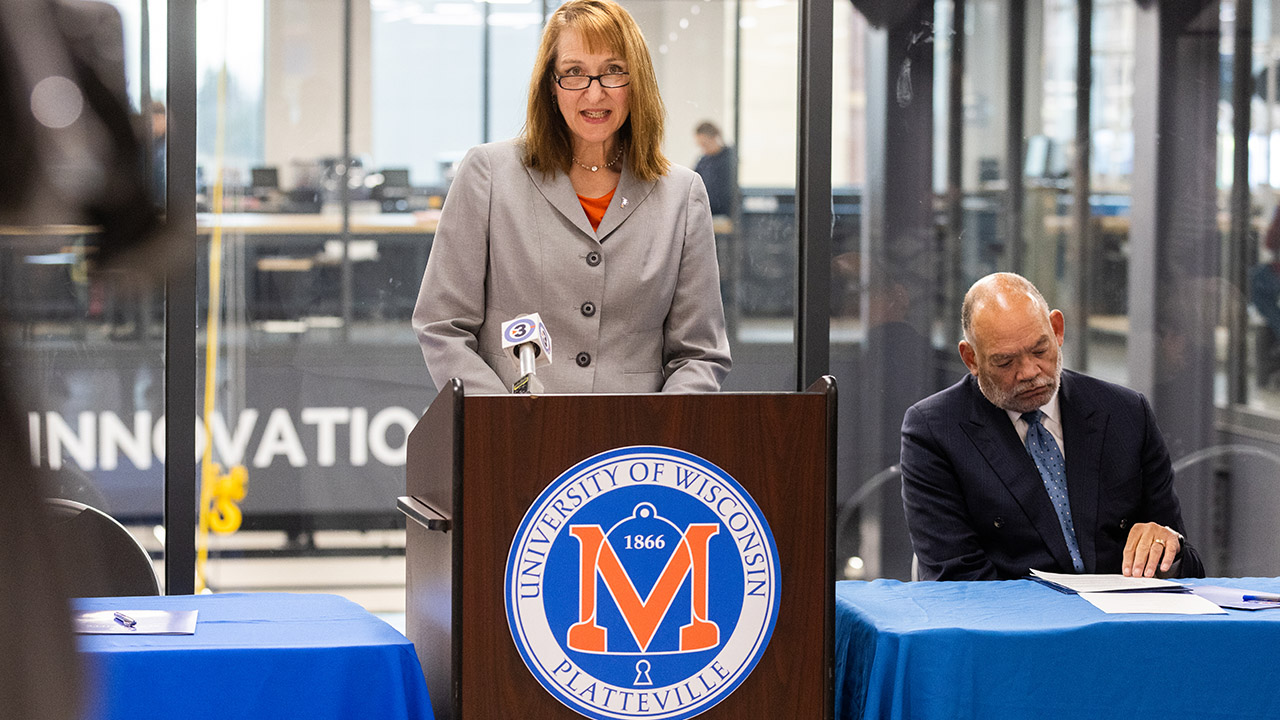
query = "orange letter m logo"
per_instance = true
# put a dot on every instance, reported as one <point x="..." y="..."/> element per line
<point x="689" y="557"/>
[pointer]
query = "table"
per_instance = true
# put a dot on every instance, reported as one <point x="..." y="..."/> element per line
<point x="419" y="223"/>
<point x="255" y="656"/>
<point x="1023" y="650"/>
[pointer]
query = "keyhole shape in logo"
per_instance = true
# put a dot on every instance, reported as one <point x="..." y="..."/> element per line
<point x="642" y="673"/>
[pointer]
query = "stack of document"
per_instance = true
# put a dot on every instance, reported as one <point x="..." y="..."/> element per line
<point x="1067" y="582"/>
<point x="1120" y="594"/>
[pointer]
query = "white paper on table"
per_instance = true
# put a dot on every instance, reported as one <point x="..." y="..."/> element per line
<point x="146" y="622"/>
<point x="1103" y="583"/>
<point x="1234" y="598"/>
<point x="1153" y="602"/>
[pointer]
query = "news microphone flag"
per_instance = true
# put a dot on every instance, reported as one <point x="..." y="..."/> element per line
<point x="526" y="330"/>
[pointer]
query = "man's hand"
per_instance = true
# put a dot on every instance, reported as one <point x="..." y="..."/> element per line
<point x="1151" y="546"/>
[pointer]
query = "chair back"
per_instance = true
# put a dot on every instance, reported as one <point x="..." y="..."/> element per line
<point x="99" y="556"/>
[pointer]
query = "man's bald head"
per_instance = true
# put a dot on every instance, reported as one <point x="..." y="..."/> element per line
<point x="1001" y="291"/>
<point x="1012" y="341"/>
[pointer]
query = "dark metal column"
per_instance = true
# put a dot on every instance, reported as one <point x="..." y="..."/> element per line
<point x="180" y="383"/>
<point x="344" y="177"/>
<point x="1241" y="210"/>
<point x="1174" y="240"/>
<point x="953" y="280"/>
<point x="1080" y="241"/>
<point x="813" y="194"/>
<point x="485" y="37"/>
<point x="900" y="273"/>
<point x="1014" y="131"/>
<point x="737" y="253"/>
<point x="144" y="86"/>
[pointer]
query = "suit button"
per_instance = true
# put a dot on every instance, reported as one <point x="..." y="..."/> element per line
<point x="999" y="523"/>
<point x="593" y="258"/>
<point x="588" y="308"/>
<point x="584" y="359"/>
<point x="1124" y="523"/>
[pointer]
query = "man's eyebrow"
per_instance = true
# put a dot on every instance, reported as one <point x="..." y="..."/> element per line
<point x="1000" y="357"/>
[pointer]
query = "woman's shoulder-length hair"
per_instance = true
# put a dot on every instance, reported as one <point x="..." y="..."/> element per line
<point x="604" y="26"/>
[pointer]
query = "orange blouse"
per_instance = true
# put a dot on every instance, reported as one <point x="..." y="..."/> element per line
<point x="595" y="207"/>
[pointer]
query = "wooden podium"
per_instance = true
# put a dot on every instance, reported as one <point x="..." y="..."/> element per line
<point x="476" y="464"/>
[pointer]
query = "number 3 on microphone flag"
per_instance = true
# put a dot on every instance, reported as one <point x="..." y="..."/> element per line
<point x="527" y="328"/>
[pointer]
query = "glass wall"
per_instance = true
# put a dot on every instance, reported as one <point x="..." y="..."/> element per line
<point x="328" y="131"/>
<point x="1246" y="349"/>
<point x="1160" y="289"/>
<point x="1262" y="250"/>
<point x="314" y="243"/>
<point x="327" y="146"/>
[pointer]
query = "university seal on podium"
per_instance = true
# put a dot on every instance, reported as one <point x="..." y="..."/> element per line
<point x="642" y="583"/>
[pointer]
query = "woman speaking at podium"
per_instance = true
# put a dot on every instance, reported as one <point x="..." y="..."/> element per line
<point x="583" y="220"/>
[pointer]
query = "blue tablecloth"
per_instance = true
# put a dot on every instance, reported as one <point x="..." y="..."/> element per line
<point x="1020" y="649"/>
<point x="272" y="656"/>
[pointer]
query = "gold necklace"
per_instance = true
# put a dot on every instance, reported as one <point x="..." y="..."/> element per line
<point x="594" y="168"/>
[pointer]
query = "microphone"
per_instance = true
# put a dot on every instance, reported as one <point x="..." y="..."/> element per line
<point x="526" y="341"/>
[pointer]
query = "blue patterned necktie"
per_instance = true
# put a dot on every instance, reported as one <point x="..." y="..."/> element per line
<point x="1053" y="470"/>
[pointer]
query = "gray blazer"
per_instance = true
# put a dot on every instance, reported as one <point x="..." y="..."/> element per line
<point x="634" y="307"/>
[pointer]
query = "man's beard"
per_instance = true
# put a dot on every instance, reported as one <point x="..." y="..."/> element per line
<point x="1011" y="400"/>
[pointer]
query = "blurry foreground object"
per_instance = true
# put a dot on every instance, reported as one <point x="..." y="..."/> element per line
<point x="72" y="157"/>
<point x="39" y="669"/>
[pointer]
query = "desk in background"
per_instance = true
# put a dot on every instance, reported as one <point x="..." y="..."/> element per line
<point x="1019" y="649"/>
<point x="255" y="656"/>
<point x="304" y="270"/>
<point x="423" y="223"/>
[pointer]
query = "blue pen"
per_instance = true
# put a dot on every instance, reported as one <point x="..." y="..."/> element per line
<point x="1261" y="598"/>
<point x="126" y="621"/>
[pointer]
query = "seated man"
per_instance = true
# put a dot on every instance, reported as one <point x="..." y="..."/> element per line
<point x="1022" y="465"/>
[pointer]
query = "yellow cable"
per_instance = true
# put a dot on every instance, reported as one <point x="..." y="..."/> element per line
<point x="208" y="469"/>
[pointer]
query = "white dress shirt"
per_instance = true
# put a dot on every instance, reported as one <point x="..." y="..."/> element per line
<point x="1051" y="418"/>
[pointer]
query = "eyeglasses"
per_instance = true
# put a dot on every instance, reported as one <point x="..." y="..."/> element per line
<point x="582" y="82"/>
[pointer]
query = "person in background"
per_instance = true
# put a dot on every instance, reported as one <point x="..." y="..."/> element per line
<point x="159" y="147"/>
<point x="718" y="167"/>
<point x="1264" y="293"/>
<point x="1022" y="465"/>
<point x="583" y="220"/>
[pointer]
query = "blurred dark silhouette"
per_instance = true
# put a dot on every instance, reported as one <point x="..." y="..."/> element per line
<point x="1264" y="293"/>
<point x="158" y="135"/>
<point x="39" y="670"/>
<point x="72" y="156"/>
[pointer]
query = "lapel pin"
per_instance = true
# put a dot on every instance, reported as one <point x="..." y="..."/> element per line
<point x="624" y="202"/>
